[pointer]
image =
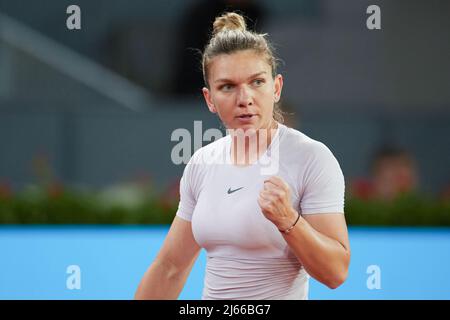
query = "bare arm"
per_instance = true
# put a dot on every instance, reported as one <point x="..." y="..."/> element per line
<point x="166" y="276"/>
<point x="320" y="242"/>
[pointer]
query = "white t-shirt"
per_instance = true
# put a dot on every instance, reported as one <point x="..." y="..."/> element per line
<point x="247" y="257"/>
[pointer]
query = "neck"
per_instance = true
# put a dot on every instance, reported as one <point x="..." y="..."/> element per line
<point x="248" y="146"/>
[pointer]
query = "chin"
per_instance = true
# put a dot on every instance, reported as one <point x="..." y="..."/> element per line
<point x="247" y="127"/>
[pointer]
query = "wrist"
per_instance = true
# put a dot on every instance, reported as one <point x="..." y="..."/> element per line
<point x="289" y="223"/>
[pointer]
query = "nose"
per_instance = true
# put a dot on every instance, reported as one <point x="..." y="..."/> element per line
<point x="244" y="97"/>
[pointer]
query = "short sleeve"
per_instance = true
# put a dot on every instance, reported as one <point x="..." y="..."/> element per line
<point x="188" y="198"/>
<point x="323" y="182"/>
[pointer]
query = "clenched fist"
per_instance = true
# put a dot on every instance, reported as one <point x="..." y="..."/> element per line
<point x="275" y="203"/>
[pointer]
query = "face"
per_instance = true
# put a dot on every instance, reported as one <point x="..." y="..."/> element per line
<point x="242" y="91"/>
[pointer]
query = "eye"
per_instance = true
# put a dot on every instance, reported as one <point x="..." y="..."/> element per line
<point x="258" y="82"/>
<point x="226" y="87"/>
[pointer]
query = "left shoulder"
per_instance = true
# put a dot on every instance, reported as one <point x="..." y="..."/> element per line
<point x="302" y="146"/>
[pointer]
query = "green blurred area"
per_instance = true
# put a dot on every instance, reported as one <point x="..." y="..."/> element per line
<point x="405" y="210"/>
<point x="137" y="204"/>
<point x="127" y="204"/>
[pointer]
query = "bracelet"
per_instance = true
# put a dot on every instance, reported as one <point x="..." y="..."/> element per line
<point x="291" y="227"/>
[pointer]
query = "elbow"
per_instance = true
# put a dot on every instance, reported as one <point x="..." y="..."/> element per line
<point x="337" y="280"/>
<point x="333" y="280"/>
<point x="339" y="277"/>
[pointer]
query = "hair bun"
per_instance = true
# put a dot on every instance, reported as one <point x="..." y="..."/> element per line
<point x="229" y="21"/>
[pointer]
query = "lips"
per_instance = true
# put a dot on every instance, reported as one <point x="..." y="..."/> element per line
<point x="245" y="116"/>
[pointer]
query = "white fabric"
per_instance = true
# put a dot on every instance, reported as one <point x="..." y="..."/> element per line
<point x="247" y="256"/>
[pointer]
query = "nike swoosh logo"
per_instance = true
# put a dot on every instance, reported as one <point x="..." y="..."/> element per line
<point x="231" y="191"/>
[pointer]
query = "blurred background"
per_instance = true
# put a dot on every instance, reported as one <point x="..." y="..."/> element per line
<point x="86" y="116"/>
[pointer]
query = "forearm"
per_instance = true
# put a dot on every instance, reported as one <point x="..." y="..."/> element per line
<point x="324" y="258"/>
<point x="161" y="282"/>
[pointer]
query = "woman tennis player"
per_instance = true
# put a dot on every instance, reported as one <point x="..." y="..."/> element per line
<point x="265" y="231"/>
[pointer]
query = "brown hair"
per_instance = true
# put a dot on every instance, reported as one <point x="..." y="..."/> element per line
<point x="230" y="35"/>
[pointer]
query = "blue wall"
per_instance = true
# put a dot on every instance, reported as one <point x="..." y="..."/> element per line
<point x="413" y="263"/>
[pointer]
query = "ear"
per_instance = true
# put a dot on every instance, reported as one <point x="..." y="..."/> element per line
<point x="278" y="87"/>
<point x="208" y="99"/>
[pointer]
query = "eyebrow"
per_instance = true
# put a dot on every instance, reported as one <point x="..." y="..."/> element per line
<point x="252" y="76"/>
